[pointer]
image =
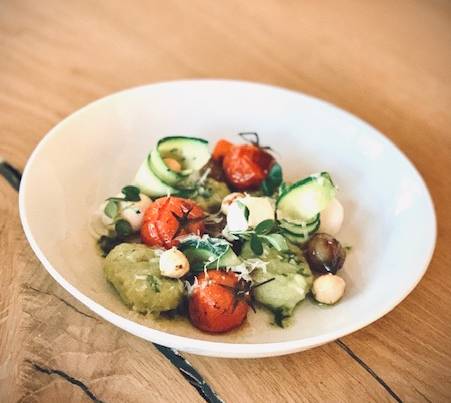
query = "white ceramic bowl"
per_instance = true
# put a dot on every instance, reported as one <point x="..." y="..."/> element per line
<point x="389" y="216"/>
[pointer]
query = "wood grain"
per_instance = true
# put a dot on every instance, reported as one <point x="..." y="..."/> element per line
<point x="43" y="328"/>
<point x="387" y="62"/>
<point x="47" y="330"/>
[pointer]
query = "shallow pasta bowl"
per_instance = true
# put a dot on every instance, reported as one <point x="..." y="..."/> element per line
<point x="389" y="216"/>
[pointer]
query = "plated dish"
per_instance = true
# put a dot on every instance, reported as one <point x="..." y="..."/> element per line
<point x="93" y="153"/>
<point x="208" y="236"/>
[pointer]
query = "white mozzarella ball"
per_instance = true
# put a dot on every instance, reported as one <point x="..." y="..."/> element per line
<point x="260" y="209"/>
<point x="173" y="263"/>
<point x="133" y="212"/>
<point x="236" y="217"/>
<point x="328" y="288"/>
<point x="228" y="200"/>
<point x="332" y="218"/>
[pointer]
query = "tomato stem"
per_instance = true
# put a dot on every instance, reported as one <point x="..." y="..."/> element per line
<point x="246" y="137"/>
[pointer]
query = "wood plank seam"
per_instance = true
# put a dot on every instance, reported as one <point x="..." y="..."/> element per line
<point x="367" y="368"/>
<point x="13" y="176"/>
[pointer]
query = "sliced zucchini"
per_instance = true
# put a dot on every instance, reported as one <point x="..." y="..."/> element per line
<point x="301" y="228"/>
<point x="301" y="237"/>
<point x="160" y="169"/>
<point x="149" y="184"/>
<point x="303" y="200"/>
<point x="191" y="152"/>
<point x="296" y="239"/>
<point x="210" y="253"/>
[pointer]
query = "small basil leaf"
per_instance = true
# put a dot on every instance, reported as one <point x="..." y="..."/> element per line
<point x="131" y="193"/>
<point x="111" y="209"/>
<point x="123" y="228"/>
<point x="256" y="245"/>
<point x="277" y="241"/>
<point x="275" y="175"/>
<point x="266" y="188"/>
<point x="279" y="317"/>
<point x="273" y="180"/>
<point x="264" y="227"/>
<point x="245" y="209"/>
<point x="246" y="213"/>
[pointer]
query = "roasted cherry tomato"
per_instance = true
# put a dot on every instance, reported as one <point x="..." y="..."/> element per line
<point x="218" y="304"/>
<point x="246" y="166"/>
<point x="221" y="149"/>
<point x="168" y="218"/>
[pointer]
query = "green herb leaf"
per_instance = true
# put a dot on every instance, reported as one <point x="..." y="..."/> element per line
<point x="273" y="180"/>
<point x="123" y="228"/>
<point x="277" y="241"/>
<point x="264" y="227"/>
<point x="275" y="174"/>
<point x="154" y="282"/>
<point x="256" y="245"/>
<point x="131" y="193"/>
<point x="279" y="317"/>
<point x="266" y="189"/>
<point x="283" y="186"/>
<point x="111" y="209"/>
<point x="246" y="211"/>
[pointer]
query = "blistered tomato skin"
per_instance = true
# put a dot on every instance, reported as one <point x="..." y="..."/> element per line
<point x="246" y="166"/>
<point x="170" y="217"/>
<point x="213" y="307"/>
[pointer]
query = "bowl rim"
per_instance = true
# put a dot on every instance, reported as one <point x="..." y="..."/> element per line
<point x="206" y="347"/>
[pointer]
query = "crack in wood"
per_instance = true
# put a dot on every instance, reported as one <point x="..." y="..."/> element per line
<point x="190" y="374"/>
<point x="365" y="366"/>
<point x="29" y="287"/>
<point x="67" y="377"/>
<point x="11" y="174"/>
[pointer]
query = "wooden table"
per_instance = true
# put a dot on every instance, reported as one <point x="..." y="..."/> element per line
<point x="387" y="62"/>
